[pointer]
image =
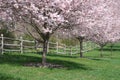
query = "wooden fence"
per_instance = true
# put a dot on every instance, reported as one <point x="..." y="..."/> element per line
<point x="15" y="45"/>
<point x="62" y="48"/>
<point x="20" y="45"/>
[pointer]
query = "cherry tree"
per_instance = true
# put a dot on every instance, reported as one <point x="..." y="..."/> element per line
<point x="114" y="35"/>
<point x="91" y="20"/>
<point x="76" y="18"/>
<point x="104" y="36"/>
<point x="44" y="17"/>
<point x="105" y="23"/>
<point x="6" y="19"/>
<point x="81" y="34"/>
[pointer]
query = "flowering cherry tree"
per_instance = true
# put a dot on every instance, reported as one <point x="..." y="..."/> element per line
<point x="104" y="24"/>
<point x="6" y="21"/>
<point x="86" y="19"/>
<point x="114" y="35"/>
<point x="92" y="19"/>
<point x="44" y="17"/>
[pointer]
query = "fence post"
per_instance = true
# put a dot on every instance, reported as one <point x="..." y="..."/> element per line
<point x="64" y="48"/>
<point x="57" y="47"/>
<point x="77" y="49"/>
<point x="71" y="50"/>
<point x="21" y="45"/>
<point x="2" y="44"/>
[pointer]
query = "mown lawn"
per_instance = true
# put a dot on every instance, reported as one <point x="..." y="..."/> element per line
<point x="91" y="67"/>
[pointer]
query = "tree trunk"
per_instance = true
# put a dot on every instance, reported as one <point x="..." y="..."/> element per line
<point x="101" y="51"/>
<point x="45" y="45"/>
<point x="81" y="47"/>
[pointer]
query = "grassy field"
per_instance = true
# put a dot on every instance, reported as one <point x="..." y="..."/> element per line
<point x="91" y="67"/>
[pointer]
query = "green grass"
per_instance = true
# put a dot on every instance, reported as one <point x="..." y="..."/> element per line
<point x="91" y="67"/>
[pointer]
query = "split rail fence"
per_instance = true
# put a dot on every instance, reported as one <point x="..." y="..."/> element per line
<point x="22" y="46"/>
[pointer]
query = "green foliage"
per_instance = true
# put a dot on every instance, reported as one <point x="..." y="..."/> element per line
<point x="54" y="39"/>
<point x="70" y="42"/>
<point x="9" y="34"/>
<point x="27" y="37"/>
<point x="6" y="33"/>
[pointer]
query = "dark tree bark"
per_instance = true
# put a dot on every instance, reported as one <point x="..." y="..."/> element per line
<point x="45" y="45"/>
<point x="81" y="46"/>
<point x="101" y="49"/>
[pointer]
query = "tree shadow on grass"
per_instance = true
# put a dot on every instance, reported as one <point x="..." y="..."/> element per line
<point x="70" y="65"/>
<point x="99" y="59"/>
<point x="20" y="60"/>
<point x="105" y="57"/>
<point x="63" y="55"/>
<point x="108" y="49"/>
<point x="114" y="46"/>
<point x="7" y="77"/>
<point x="17" y="59"/>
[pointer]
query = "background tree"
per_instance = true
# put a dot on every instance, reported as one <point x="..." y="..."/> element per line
<point x="89" y="17"/>
<point x="104" y="23"/>
<point x="114" y="35"/>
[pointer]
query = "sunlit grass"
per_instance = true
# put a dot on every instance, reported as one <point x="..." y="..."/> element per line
<point x="91" y="67"/>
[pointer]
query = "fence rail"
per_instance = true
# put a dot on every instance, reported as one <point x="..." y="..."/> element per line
<point x="15" y="45"/>
<point x="20" y="45"/>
